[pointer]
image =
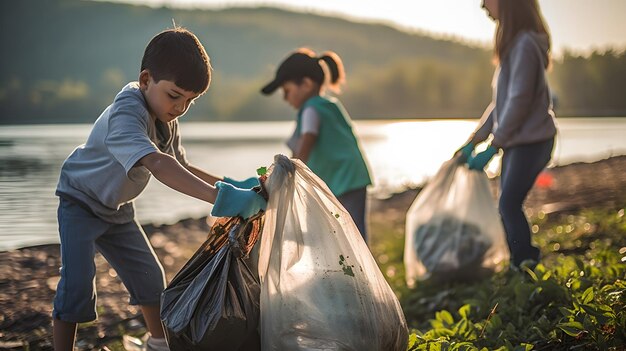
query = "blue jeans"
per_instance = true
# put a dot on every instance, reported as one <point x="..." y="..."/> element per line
<point x="520" y="167"/>
<point x="355" y="203"/>
<point x="124" y="246"/>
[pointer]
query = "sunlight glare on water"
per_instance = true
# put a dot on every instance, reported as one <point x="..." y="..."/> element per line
<point x="401" y="154"/>
<point x="404" y="153"/>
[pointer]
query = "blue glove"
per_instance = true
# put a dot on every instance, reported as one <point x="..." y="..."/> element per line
<point x="243" y="184"/>
<point x="466" y="151"/>
<point x="232" y="202"/>
<point x="481" y="159"/>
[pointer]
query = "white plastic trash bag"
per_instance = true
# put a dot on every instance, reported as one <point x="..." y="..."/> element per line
<point x="453" y="229"/>
<point x="320" y="286"/>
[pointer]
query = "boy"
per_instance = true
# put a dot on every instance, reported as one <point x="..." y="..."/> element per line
<point x="137" y="136"/>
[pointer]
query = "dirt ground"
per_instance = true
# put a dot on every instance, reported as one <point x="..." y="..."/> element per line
<point x="28" y="276"/>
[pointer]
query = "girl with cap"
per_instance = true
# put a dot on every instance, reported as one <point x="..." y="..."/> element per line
<point x="323" y="138"/>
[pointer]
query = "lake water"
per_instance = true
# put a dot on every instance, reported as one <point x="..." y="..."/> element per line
<point x="401" y="153"/>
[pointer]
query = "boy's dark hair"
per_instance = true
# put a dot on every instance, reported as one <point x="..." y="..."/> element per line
<point x="177" y="55"/>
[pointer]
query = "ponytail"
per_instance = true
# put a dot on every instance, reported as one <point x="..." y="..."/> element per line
<point x="336" y="70"/>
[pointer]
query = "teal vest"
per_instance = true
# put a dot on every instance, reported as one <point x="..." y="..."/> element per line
<point x="336" y="157"/>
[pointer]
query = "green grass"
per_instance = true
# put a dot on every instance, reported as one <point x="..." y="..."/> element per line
<point x="574" y="299"/>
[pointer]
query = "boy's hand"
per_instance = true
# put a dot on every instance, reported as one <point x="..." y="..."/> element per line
<point x="479" y="161"/>
<point x="243" y="184"/>
<point x="232" y="202"/>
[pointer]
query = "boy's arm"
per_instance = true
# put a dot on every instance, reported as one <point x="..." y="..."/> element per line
<point x="170" y="172"/>
<point x="305" y="145"/>
<point x="200" y="173"/>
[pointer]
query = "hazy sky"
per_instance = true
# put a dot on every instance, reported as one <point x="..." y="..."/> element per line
<point x="575" y="24"/>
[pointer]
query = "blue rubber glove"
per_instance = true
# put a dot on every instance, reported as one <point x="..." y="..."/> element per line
<point x="232" y="202"/>
<point x="243" y="184"/>
<point x="466" y="151"/>
<point x="481" y="159"/>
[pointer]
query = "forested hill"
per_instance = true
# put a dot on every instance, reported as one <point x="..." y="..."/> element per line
<point x="64" y="60"/>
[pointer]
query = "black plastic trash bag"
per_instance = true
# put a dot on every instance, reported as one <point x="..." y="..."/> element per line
<point x="213" y="301"/>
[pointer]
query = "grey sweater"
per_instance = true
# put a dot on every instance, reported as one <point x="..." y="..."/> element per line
<point x="521" y="110"/>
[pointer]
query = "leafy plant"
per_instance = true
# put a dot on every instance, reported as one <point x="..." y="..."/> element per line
<point x="574" y="299"/>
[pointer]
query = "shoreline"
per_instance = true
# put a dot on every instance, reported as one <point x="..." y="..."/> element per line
<point x="560" y="188"/>
<point x="28" y="275"/>
<point x="536" y="199"/>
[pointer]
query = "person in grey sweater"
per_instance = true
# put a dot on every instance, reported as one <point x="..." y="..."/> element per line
<point x="520" y="118"/>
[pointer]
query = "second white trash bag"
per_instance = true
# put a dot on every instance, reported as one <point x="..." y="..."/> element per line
<point x="320" y="286"/>
<point x="453" y="229"/>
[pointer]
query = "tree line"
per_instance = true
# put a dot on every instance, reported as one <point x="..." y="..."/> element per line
<point x="64" y="60"/>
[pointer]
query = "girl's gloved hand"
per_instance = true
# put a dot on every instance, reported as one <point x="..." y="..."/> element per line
<point x="232" y="202"/>
<point x="243" y="184"/>
<point x="482" y="159"/>
<point x="465" y="151"/>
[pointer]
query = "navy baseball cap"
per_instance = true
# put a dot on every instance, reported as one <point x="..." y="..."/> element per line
<point x="296" y="66"/>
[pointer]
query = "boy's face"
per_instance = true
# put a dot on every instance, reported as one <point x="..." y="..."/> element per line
<point x="166" y="101"/>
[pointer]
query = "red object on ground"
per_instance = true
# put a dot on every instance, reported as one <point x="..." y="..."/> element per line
<point x="544" y="180"/>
